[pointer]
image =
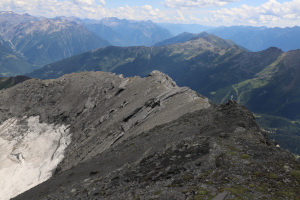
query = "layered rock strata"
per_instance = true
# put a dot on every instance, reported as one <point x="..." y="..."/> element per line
<point x="100" y="110"/>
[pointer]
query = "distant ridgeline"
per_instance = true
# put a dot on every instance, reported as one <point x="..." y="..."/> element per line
<point x="260" y="38"/>
<point x="28" y="42"/>
<point x="266" y="82"/>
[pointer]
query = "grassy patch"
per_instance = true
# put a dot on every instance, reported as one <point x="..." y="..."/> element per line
<point x="204" y="174"/>
<point x="296" y="174"/>
<point x="244" y="156"/>
<point x="202" y="194"/>
<point x="240" y="192"/>
<point x="273" y="176"/>
<point x="187" y="177"/>
<point x="157" y="192"/>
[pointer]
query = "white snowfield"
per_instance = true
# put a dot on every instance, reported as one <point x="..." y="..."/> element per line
<point x="29" y="153"/>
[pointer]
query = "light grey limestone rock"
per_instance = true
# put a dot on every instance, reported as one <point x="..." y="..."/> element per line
<point x="101" y="109"/>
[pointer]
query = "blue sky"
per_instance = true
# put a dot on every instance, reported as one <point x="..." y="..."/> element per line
<point x="271" y="13"/>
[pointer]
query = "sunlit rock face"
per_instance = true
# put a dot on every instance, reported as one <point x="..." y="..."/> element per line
<point x="101" y="110"/>
<point x="30" y="152"/>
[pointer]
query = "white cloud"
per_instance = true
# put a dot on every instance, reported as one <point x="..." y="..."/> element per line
<point x="84" y="2"/>
<point x="196" y="3"/>
<point x="53" y="8"/>
<point x="147" y="7"/>
<point x="180" y="16"/>
<point x="93" y="9"/>
<point x="145" y="12"/>
<point x="88" y="2"/>
<point x="271" y="13"/>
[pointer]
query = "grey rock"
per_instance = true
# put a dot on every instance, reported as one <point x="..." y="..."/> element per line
<point x="221" y="196"/>
<point x="165" y="142"/>
<point x="89" y="103"/>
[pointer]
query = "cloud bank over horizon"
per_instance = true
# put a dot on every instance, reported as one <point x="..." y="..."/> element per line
<point x="271" y="13"/>
<point x="196" y="3"/>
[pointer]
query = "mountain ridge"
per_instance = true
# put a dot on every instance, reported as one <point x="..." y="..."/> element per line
<point x="209" y="65"/>
<point x="48" y="40"/>
<point x="105" y="106"/>
<point x="188" y="50"/>
<point x="205" y="150"/>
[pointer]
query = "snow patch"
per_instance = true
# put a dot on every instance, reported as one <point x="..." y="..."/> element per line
<point x="29" y="153"/>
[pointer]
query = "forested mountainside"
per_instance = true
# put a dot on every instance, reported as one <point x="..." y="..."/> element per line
<point x="37" y="41"/>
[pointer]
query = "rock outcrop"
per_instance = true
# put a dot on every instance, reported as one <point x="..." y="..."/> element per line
<point x="213" y="153"/>
<point x="100" y="109"/>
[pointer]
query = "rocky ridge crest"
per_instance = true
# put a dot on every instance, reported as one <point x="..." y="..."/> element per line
<point x="147" y="138"/>
<point x="101" y="108"/>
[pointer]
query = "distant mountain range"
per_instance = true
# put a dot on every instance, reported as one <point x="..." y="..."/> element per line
<point x="181" y="38"/>
<point x="128" y="32"/>
<point x="267" y="81"/>
<point x="11" y="62"/>
<point x="184" y="37"/>
<point x="142" y="60"/>
<point x="260" y="38"/>
<point x="14" y="18"/>
<point x="39" y="40"/>
<point x="252" y="38"/>
<point x="177" y="29"/>
<point x="50" y="40"/>
<point x="43" y="41"/>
